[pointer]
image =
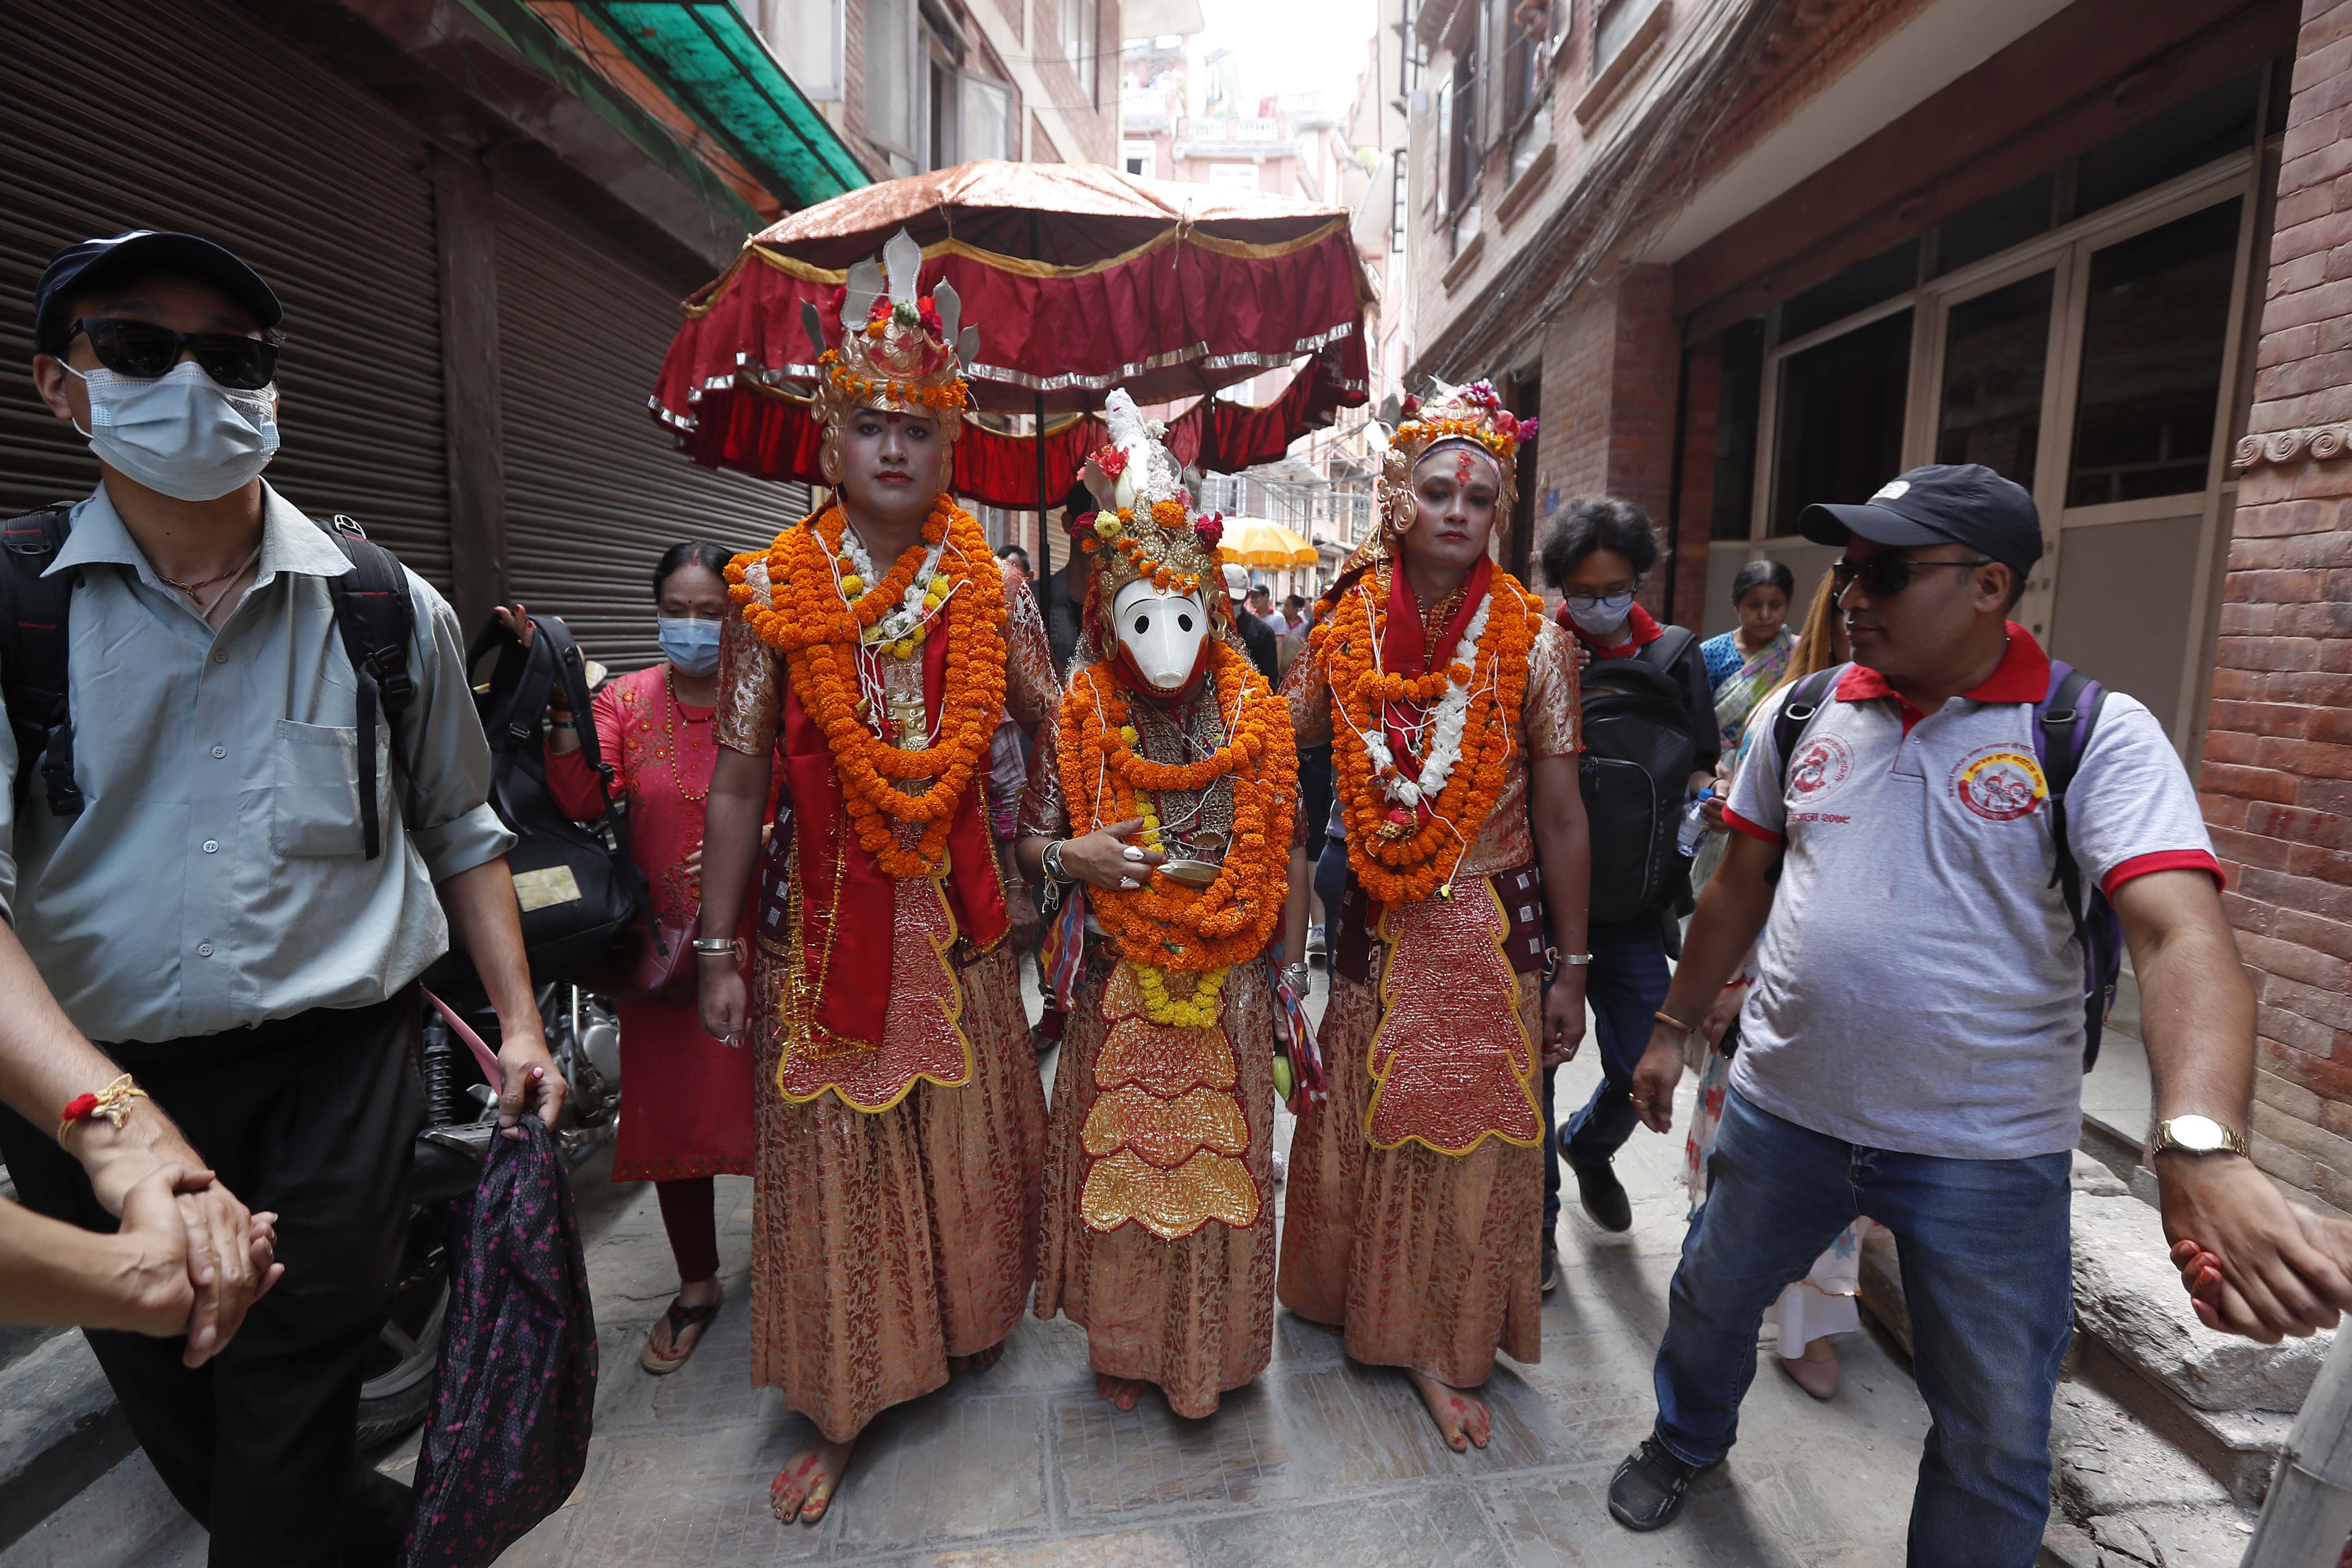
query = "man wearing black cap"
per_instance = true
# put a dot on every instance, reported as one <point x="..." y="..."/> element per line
<point x="200" y="892"/>
<point x="1912" y="1045"/>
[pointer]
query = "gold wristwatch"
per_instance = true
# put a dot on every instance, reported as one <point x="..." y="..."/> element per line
<point x="2194" y="1135"/>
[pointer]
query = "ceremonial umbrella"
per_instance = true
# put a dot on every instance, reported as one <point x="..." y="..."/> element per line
<point x="1256" y="542"/>
<point x="1080" y="278"/>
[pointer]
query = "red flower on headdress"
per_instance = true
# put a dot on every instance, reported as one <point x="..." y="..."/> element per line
<point x="1507" y="422"/>
<point x="930" y="318"/>
<point x="1527" y="429"/>
<point x="1411" y="405"/>
<point x="1084" y="525"/>
<point x="1211" y="528"/>
<point x="839" y="296"/>
<point x="1110" y="460"/>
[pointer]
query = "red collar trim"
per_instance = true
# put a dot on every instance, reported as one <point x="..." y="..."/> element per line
<point x="2023" y="675"/>
<point x="1640" y="627"/>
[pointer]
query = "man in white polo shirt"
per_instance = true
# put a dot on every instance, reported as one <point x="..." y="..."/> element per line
<point x="1913" y="1047"/>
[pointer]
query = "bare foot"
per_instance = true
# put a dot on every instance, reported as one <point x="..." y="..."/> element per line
<point x="978" y="1361"/>
<point x="804" y="1488"/>
<point x="1815" y="1371"/>
<point x="1461" y="1416"/>
<point x="1123" y="1392"/>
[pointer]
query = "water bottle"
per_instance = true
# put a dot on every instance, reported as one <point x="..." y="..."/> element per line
<point x="1693" y="829"/>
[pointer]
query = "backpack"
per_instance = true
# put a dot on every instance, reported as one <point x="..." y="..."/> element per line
<point x="579" y="886"/>
<point x="1637" y="760"/>
<point x="373" y="612"/>
<point x="2062" y="720"/>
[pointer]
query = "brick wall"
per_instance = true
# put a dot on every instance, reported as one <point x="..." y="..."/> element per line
<point x="1610" y="363"/>
<point x="1702" y="403"/>
<point x="2277" y="778"/>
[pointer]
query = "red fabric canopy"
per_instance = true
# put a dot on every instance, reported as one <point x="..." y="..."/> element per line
<point x="1167" y="289"/>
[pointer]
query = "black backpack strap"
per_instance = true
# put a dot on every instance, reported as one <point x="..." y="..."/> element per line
<point x="376" y="618"/>
<point x="1797" y="711"/>
<point x="2064" y="734"/>
<point x="1662" y="652"/>
<point x="34" y="634"/>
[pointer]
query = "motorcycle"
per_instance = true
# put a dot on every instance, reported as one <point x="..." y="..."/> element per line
<point x="461" y="1112"/>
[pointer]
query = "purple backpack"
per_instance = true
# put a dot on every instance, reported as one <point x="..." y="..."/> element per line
<point x="506" y="1437"/>
<point x="2061" y="733"/>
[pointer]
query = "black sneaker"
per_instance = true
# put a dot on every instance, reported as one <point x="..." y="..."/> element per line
<point x="1551" y="1275"/>
<point x="1646" y="1493"/>
<point x="1603" y="1197"/>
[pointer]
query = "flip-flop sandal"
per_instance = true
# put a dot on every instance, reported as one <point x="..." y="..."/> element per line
<point x="680" y="1318"/>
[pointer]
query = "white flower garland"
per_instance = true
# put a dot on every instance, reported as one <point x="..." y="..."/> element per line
<point x="1447" y="722"/>
<point x="914" y="606"/>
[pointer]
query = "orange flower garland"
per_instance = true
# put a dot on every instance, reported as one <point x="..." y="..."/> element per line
<point x="1164" y="925"/>
<point x="1403" y="867"/>
<point x="819" y="632"/>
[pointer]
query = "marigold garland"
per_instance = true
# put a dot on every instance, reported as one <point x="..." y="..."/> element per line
<point x="1165" y="926"/>
<point x="1401" y="856"/>
<point x="808" y="619"/>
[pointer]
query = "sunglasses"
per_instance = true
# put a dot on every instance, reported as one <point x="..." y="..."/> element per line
<point x="144" y="349"/>
<point x="1886" y="575"/>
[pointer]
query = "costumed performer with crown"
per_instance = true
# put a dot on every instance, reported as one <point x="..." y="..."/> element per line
<point x="900" y="1120"/>
<point x="1160" y="815"/>
<point x="1415" y="1214"/>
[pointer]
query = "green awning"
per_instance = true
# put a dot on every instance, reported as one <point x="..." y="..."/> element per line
<point x="715" y="67"/>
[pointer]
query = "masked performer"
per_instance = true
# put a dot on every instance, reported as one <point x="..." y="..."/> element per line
<point x="1160" y="814"/>
<point x="1451" y="707"/>
<point x="900" y="1121"/>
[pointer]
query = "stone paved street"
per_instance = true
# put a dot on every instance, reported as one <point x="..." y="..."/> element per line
<point x="1321" y="1462"/>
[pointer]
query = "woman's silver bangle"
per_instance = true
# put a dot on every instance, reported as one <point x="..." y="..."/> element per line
<point x="1053" y="858"/>
<point x="1299" y="977"/>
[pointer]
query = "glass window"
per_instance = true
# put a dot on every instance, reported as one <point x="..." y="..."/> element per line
<point x="890" y="72"/>
<point x="1233" y="176"/>
<point x="1078" y="41"/>
<point x="1858" y="287"/>
<point x="1995" y="348"/>
<point x="2207" y="127"/>
<point x="1992" y="227"/>
<point x="1735" y="429"/>
<point x="1841" y="419"/>
<point x="987" y="120"/>
<point x="1613" y="27"/>
<point x="806" y="37"/>
<point x="2153" y="332"/>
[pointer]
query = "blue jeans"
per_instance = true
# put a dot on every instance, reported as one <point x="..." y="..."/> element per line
<point x="1987" y="1272"/>
<point x="1625" y="987"/>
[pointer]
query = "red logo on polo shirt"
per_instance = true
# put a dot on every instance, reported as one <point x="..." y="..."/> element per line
<point x="1822" y="764"/>
<point x="2000" y="784"/>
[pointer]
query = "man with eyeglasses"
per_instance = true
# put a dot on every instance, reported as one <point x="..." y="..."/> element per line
<point x="202" y="895"/>
<point x="1912" y="1049"/>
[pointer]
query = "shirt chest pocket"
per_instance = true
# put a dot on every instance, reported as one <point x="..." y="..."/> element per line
<point x="315" y="789"/>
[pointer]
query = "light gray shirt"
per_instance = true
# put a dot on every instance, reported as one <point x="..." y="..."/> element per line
<point x="215" y="876"/>
<point x="1918" y="985"/>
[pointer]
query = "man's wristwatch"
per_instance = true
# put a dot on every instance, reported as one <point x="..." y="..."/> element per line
<point x="2194" y="1135"/>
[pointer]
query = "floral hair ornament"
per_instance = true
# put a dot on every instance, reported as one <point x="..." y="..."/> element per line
<point x="1146" y="530"/>
<point x="1472" y="416"/>
<point x="900" y="350"/>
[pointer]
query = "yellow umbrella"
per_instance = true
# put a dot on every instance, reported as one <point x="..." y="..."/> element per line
<point x="1258" y="542"/>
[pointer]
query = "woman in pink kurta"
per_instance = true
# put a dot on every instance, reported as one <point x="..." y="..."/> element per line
<point x="690" y="1097"/>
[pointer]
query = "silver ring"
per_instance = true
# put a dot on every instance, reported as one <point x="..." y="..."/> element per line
<point x="1128" y="884"/>
<point x="1132" y="853"/>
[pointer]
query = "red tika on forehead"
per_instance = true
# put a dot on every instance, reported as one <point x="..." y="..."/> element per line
<point x="1463" y="469"/>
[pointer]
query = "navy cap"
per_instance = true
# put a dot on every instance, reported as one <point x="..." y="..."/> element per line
<point x="1943" y="504"/>
<point x="97" y="261"/>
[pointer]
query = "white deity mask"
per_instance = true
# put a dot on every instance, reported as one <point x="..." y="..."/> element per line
<point x="1162" y="633"/>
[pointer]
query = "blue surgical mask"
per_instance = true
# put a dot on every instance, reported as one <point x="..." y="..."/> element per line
<point x="181" y="433"/>
<point x="689" y="644"/>
<point x="1605" y="615"/>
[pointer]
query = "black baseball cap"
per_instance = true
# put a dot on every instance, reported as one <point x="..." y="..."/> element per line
<point x="1942" y="503"/>
<point x="93" y="262"/>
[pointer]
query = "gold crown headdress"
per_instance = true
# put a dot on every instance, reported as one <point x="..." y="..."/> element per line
<point x="901" y="351"/>
<point x="1470" y="415"/>
<point x="1146" y="528"/>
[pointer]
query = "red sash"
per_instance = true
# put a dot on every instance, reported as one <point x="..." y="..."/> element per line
<point x="846" y="924"/>
<point x="1403" y="652"/>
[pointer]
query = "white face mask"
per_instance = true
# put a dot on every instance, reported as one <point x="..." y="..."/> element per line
<point x="1603" y="617"/>
<point x="1162" y="632"/>
<point x="181" y="433"/>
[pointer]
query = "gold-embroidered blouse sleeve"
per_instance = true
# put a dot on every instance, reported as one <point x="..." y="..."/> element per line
<point x="750" y="683"/>
<point x="1033" y="691"/>
<point x="1551" y="711"/>
<point x="1044" y="812"/>
<point x="1308" y="692"/>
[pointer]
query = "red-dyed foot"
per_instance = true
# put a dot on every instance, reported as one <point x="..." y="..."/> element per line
<point x="1123" y="1392"/>
<point x="804" y="1488"/>
<point x="1461" y="1416"/>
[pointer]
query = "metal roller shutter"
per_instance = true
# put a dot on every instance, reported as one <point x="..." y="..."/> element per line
<point x="119" y="115"/>
<point x="595" y="491"/>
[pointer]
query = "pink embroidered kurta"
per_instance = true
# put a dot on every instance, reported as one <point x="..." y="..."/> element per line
<point x="689" y="1098"/>
<point x="1428" y="1259"/>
